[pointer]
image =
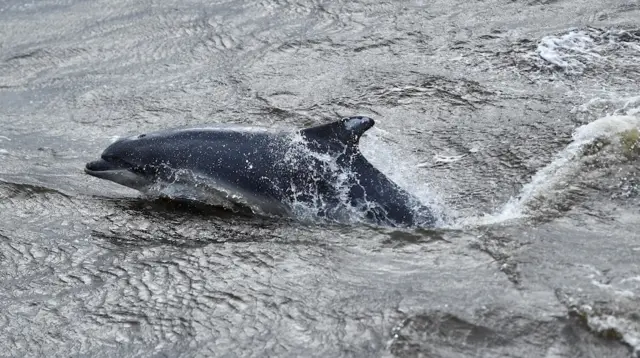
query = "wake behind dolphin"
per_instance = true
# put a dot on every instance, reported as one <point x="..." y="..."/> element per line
<point x="317" y="170"/>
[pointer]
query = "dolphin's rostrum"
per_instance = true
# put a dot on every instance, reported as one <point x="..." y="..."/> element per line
<point x="317" y="170"/>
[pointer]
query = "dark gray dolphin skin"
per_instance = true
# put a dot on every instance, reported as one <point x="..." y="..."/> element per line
<point x="320" y="168"/>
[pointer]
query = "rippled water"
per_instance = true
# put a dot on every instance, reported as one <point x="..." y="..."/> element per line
<point x="518" y="120"/>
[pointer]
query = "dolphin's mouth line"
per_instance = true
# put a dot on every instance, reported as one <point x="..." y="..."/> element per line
<point x="102" y="165"/>
<point x="118" y="172"/>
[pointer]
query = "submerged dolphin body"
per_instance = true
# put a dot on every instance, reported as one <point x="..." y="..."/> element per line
<point x="317" y="170"/>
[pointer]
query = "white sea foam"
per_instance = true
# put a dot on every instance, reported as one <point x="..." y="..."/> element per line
<point x="577" y="50"/>
<point x="569" y="52"/>
<point x="613" y="105"/>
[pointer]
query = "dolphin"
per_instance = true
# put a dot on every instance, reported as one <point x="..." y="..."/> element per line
<point x="317" y="171"/>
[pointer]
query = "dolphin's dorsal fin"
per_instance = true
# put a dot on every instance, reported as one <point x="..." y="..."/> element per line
<point x="347" y="130"/>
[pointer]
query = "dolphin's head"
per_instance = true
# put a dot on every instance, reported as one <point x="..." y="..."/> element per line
<point x="166" y="156"/>
<point x="134" y="161"/>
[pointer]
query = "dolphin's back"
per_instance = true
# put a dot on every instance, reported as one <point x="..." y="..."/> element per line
<point x="389" y="202"/>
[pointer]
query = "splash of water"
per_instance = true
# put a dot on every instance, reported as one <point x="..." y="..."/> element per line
<point x="298" y="154"/>
<point x="342" y="179"/>
<point x="626" y="328"/>
<point x="401" y="168"/>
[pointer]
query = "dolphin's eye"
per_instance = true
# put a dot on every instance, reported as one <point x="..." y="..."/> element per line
<point x="142" y="136"/>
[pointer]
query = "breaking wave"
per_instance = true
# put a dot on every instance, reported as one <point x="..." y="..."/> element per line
<point x="565" y="165"/>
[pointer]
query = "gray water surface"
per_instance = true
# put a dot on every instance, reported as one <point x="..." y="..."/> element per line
<point x="508" y="117"/>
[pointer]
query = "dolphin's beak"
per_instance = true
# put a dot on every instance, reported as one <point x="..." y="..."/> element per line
<point x="100" y="165"/>
<point x="116" y="173"/>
